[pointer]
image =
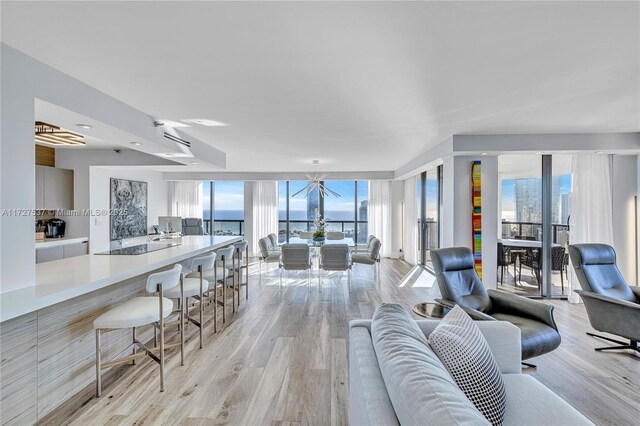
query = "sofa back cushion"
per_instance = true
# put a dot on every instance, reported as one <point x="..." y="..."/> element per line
<point x="465" y="353"/>
<point x="420" y="388"/>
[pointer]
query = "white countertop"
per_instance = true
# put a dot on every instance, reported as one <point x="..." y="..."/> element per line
<point x="57" y="242"/>
<point x="65" y="279"/>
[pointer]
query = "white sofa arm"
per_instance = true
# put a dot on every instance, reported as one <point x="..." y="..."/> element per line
<point x="503" y="339"/>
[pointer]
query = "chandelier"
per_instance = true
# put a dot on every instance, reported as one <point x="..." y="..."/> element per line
<point x="316" y="181"/>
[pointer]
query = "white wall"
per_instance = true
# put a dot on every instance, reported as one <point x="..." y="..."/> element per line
<point x="80" y="161"/>
<point x="625" y="175"/>
<point x="397" y="217"/>
<point x="99" y="199"/>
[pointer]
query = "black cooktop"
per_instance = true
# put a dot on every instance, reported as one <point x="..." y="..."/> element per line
<point x="140" y="249"/>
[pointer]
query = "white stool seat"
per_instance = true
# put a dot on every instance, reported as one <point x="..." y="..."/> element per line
<point x="134" y="313"/>
<point x="191" y="288"/>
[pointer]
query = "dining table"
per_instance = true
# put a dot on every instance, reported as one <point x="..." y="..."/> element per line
<point x="519" y="247"/>
<point x="314" y="243"/>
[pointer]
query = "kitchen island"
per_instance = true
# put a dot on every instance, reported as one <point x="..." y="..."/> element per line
<point x="46" y="330"/>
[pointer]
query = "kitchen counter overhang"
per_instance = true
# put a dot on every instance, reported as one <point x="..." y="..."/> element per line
<point x="64" y="279"/>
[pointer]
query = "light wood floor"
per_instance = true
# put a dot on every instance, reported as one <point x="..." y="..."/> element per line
<point x="283" y="360"/>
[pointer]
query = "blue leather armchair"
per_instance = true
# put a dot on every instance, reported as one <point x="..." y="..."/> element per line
<point x="612" y="305"/>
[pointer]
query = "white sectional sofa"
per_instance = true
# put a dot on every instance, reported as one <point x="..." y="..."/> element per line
<point x="528" y="401"/>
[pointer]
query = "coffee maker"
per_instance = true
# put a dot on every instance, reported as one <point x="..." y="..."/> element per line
<point x="55" y="228"/>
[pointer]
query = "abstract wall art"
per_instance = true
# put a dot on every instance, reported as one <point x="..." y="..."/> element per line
<point x="476" y="214"/>
<point x="128" y="209"/>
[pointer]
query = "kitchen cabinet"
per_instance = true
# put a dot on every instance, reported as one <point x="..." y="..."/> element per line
<point x="76" y="249"/>
<point x="49" y="254"/>
<point x="54" y="188"/>
<point x="40" y="188"/>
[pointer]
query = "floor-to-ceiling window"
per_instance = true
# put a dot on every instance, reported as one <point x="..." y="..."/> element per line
<point x="347" y="213"/>
<point x="428" y="207"/>
<point x="362" y="206"/>
<point x="432" y="214"/>
<point x="223" y="211"/>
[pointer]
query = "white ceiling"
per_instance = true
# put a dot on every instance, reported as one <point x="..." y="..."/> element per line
<point x="361" y="86"/>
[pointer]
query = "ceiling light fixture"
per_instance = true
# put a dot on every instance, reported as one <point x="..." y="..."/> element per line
<point x="316" y="181"/>
<point x="53" y="135"/>
<point x="169" y="123"/>
<point x="205" y="122"/>
<point x="484" y="153"/>
<point x="84" y="126"/>
<point x="599" y="152"/>
<point x="136" y="143"/>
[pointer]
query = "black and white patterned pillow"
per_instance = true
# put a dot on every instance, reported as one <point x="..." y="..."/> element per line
<point x="465" y="353"/>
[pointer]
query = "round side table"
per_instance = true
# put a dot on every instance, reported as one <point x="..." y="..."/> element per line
<point x="431" y="310"/>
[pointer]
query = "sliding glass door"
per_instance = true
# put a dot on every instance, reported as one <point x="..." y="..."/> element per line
<point x="535" y="206"/>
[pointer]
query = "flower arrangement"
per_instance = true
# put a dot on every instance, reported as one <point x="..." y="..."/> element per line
<point x="320" y="223"/>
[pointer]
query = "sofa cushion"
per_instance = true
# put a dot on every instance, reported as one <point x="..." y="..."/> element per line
<point x="529" y="402"/>
<point x="465" y="353"/>
<point x="419" y="387"/>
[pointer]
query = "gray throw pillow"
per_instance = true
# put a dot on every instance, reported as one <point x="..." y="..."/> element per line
<point x="419" y="386"/>
<point x="465" y="353"/>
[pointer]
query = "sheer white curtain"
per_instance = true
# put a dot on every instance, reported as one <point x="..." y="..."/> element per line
<point x="265" y="211"/>
<point x="410" y="245"/>
<point x="591" y="206"/>
<point x="380" y="213"/>
<point x="185" y="199"/>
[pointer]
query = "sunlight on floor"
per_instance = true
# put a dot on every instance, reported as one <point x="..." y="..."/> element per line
<point x="418" y="277"/>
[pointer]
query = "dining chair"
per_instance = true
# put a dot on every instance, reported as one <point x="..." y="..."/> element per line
<point x="334" y="257"/>
<point x="504" y="260"/>
<point x="295" y="257"/>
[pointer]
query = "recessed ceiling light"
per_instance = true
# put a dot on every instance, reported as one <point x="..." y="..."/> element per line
<point x="136" y="143"/>
<point x="171" y="123"/>
<point x="84" y="126"/>
<point x="484" y="153"/>
<point x="599" y="152"/>
<point x="205" y="122"/>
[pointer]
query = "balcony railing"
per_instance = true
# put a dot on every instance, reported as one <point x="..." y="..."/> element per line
<point x="224" y="227"/>
<point x="559" y="232"/>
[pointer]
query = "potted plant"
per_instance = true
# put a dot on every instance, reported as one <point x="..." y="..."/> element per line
<point x="320" y="224"/>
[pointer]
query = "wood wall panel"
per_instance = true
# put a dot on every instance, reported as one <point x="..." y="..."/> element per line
<point x="45" y="156"/>
<point x="66" y="343"/>
<point x="18" y="370"/>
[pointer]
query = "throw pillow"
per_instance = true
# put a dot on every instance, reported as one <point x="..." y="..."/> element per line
<point x="465" y="353"/>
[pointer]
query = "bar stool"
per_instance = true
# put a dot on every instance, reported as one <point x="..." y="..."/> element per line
<point x="194" y="288"/>
<point x="226" y="265"/>
<point x="137" y="312"/>
<point x="242" y="256"/>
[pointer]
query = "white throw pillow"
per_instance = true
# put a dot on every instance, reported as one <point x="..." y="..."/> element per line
<point x="465" y="353"/>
